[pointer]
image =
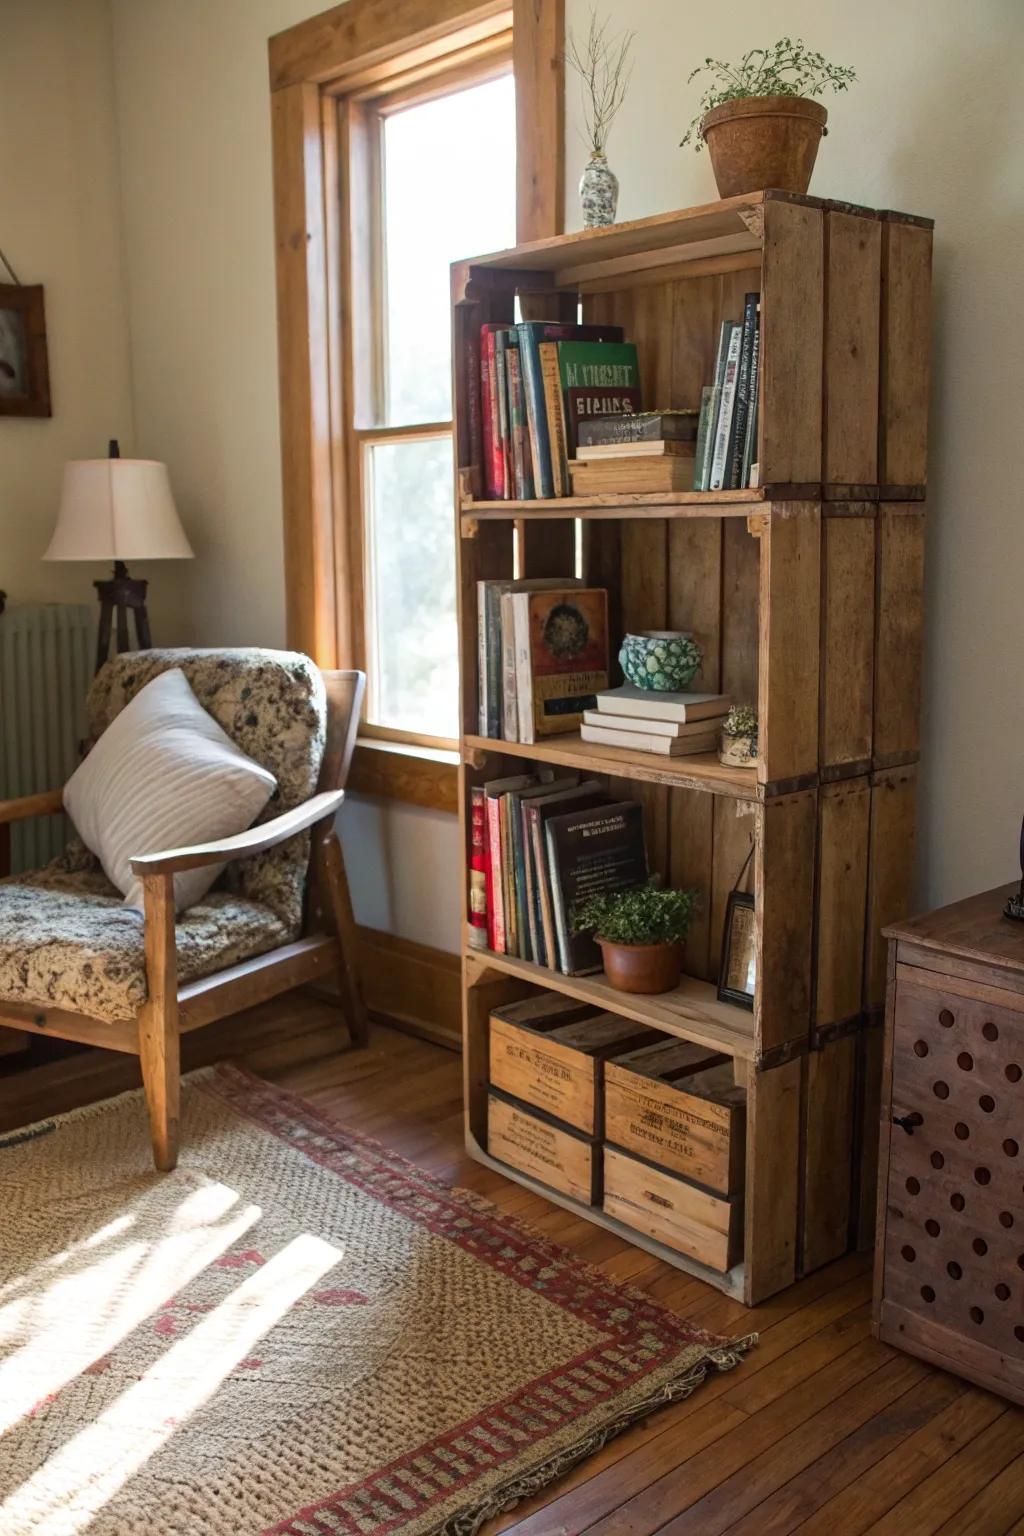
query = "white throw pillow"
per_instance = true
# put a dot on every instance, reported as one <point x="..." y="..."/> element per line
<point x="163" y="775"/>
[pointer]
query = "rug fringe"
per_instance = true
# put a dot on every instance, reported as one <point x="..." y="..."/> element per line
<point x="468" y="1522"/>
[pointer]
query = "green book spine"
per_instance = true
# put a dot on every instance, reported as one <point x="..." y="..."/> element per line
<point x="707" y="395"/>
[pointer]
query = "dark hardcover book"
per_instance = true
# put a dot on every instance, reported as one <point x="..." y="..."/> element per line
<point x="639" y="427"/>
<point x="597" y="381"/>
<point x="531" y="334"/>
<point x="589" y="852"/>
<point x="738" y="431"/>
<point x="470" y="410"/>
<point x="536" y="813"/>
<point x="522" y="464"/>
<point x="750" y="436"/>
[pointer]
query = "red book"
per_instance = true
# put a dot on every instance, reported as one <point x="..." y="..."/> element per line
<point x="478" y="905"/>
<point x="494" y="458"/>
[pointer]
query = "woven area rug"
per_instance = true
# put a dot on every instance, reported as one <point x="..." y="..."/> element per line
<point x="295" y="1333"/>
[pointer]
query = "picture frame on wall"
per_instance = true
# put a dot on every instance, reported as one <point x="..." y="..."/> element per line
<point x="737" y="977"/>
<point x="24" y="363"/>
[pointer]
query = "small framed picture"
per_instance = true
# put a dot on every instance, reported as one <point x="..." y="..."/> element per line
<point x="24" y="367"/>
<point x="738" y="975"/>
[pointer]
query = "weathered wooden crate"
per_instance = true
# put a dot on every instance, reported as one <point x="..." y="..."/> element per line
<point x="549" y="1051"/>
<point x="680" y="1107"/>
<point x="544" y="1148"/>
<point x="694" y="1221"/>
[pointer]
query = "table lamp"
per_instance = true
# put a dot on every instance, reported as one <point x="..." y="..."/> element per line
<point x="118" y="509"/>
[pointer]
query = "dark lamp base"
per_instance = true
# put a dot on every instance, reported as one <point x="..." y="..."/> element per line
<point x="120" y="594"/>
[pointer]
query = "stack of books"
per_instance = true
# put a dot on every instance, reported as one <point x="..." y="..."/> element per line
<point x="672" y="724"/>
<point x="539" y="847"/>
<point x="647" y="451"/>
<point x="727" y="431"/>
<point x="542" y="655"/>
<point x="538" y="382"/>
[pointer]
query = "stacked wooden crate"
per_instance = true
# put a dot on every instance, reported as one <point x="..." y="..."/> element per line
<point x="616" y="1116"/>
<point x="805" y="595"/>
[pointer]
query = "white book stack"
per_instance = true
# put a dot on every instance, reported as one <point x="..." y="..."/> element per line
<point x="672" y="724"/>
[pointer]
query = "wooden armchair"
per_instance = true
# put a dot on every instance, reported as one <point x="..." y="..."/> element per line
<point x="170" y="1004"/>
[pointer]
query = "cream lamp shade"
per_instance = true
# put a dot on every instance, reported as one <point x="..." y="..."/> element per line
<point x="117" y="509"/>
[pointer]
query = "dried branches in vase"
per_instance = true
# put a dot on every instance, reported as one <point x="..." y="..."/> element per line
<point x="602" y="64"/>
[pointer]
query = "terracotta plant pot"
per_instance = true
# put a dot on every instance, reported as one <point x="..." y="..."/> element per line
<point x="642" y="967"/>
<point x="763" y="141"/>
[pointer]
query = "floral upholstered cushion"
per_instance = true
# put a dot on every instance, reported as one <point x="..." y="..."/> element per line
<point x="68" y="941"/>
<point x="273" y="706"/>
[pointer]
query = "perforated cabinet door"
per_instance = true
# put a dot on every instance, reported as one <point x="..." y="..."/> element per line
<point x="954" y="1237"/>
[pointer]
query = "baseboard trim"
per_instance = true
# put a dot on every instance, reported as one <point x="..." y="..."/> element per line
<point x="413" y="986"/>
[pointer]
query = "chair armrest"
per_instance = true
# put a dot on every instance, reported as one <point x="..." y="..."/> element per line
<point x="49" y="803"/>
<point x="242" y="844"/>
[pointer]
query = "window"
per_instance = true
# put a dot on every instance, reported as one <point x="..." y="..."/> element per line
<point x="421" y="154"/>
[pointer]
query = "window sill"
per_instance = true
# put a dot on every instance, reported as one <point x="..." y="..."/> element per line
<point x="393" y="770"/>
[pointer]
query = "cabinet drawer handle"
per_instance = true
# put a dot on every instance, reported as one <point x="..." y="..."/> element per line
<point x="908" y="1122"/>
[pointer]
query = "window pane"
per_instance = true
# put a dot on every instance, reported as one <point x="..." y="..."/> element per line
<point x="414" y="674"/>
<point x="433" y="154"/>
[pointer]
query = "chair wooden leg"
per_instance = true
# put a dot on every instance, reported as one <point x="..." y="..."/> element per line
<point x="340" y="904"/>
<point x="159" y="1037"/>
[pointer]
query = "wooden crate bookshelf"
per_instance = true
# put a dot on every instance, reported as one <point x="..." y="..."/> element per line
<point x="805" y="595"/>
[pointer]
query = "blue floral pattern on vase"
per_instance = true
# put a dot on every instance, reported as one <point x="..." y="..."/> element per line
<point x="665" y="661"/>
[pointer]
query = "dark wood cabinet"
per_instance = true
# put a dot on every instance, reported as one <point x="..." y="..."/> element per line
<point x="949" y="1268"/>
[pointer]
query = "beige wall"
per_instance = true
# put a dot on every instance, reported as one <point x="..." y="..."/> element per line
<point x="935" y="125"/>
<point x="60" y="225"/>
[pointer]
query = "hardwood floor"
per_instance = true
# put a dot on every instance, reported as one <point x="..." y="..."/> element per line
<point x="820" y="1430"/>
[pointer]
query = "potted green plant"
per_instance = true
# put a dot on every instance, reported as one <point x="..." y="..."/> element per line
<point x="641" y="932"/>
<point x="739" y="737"/>
<point x="758" y="117"/>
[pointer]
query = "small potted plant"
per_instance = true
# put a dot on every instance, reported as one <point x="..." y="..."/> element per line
<point x="759" y="120"/>
<point x="641" y="932"/>
<point x="739" y="737"/>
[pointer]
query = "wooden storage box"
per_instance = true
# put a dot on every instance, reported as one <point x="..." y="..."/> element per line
<point x="549" y="1050"/>
<point x="691" y="1220"/>
<point x="950" y="1241"/>
<point x="541" y="1146"/>
<point x="678" y="1105"/>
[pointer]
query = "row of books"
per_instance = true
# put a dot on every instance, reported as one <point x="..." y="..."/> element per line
<point x="727" y="430"/>
<point x="543" y="655"/>
<point x="538" y="381"/>
<point x="670" y="724"/>
<point x="540" y="846"/>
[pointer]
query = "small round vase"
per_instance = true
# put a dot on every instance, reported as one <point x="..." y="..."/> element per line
<point x="599" y="193"/>
<point x="664" y="660"/>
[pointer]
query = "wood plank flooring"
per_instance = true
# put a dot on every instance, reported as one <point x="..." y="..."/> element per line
<point x="821" y="1430"/>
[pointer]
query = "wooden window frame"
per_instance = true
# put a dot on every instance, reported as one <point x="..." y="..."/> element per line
<point x="355" y="54"/>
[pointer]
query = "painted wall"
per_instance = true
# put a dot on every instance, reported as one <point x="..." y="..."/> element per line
<point x="60" y="225"/>
<point x="934" y="126"/>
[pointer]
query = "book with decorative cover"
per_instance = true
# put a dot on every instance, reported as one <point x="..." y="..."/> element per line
<point x="599" y="379"/>
<point x="561" y="657"/>
<point x="588" y="852"/>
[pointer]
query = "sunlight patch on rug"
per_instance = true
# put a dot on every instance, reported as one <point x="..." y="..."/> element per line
<point x="295" y="1331"/>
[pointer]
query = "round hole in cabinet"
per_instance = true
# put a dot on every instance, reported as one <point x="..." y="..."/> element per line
<point x="932" y="1227"/>
<point x="927" y="1294"/>
<point x="1003" y="1291"/>
<point x="965" y="1061"/>
<point x="946" y="1019"/>
<point x="980" y="1247"/>
<point x="977" y="1316"/>
<point x="937" y="1160"/>
<point x="907" y="1253"/>
<point x="913" y="1186"/>
<point x="1013" y="1073"/>
<point x="990" y="1031"/>
<point x="982" y="1176"/>
<point x="987" y="1103"/>
<point x="953" y="1270"/>
<point x="1010" y="1147"/>
<point x="961" y="1131"/>
<point x="957" y="1201"/>
<point x="940" y="1089"/>
<point x="920" y="1048"/>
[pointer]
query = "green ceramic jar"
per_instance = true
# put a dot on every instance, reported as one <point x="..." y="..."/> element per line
<point x="664" y="660"/>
